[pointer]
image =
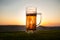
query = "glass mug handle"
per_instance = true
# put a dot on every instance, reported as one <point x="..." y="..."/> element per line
<point x="40" y="19"/>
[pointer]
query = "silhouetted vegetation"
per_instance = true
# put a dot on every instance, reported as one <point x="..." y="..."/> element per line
<point x="38" y="35"/>
<point x="17" y="32"/>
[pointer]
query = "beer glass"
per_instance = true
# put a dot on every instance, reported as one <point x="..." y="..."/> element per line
<point x="31" y="16"/>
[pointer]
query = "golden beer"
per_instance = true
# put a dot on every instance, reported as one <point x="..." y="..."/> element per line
<point x="31" y="21"/>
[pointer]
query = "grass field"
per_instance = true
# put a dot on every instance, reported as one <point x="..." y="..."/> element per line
<point x="38" y="35"/>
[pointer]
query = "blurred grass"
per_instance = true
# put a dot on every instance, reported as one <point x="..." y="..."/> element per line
<point x="38" y="35"/>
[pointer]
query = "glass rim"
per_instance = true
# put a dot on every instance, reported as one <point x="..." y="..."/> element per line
<point x="31" y="9"/>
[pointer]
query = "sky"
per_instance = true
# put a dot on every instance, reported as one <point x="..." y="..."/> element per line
<point x="13" y="12"/>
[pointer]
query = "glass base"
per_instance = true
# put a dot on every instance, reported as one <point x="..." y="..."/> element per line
<point x="30" y="31"/>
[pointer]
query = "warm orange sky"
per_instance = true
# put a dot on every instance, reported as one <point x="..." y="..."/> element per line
<point x="13" y="12"/>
